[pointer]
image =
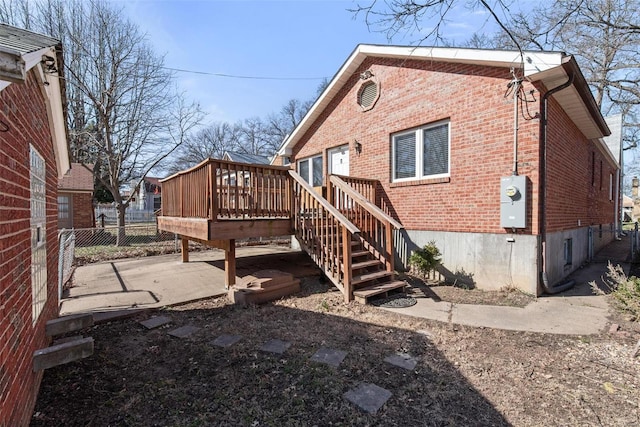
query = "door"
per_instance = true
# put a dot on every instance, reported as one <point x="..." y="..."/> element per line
<point x="339" y="161"/>
<point x="339" y="165"/>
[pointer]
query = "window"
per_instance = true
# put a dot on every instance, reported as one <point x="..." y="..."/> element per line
<point x="610" y="186"/>
<point x="568" y="252"/>
<point x="63" y="208"/>
<point x="311" y="170"/>
<point x="593" y="168"/>
<point x="157" y="202"/>
<point x="368" y="95"/>
<point x="421" y="153"/>
<point x="38" y="233"/>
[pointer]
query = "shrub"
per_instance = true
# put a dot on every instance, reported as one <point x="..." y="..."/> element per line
<point x="624" y="290"/>
<point x="426" y="259"/>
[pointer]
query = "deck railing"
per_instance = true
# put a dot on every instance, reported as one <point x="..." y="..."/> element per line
<point x="364" y="186"/>
<point x="324" y="233"/>
<point x="376" y="227"/>
<point x="218" y="190"/>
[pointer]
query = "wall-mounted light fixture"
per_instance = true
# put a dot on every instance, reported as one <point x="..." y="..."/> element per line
<point x="357" y="146"/>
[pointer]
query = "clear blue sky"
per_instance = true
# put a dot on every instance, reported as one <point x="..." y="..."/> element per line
<point x="301" y="39"/>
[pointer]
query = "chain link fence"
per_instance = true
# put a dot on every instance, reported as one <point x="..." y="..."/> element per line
<point x="87" y="245"/>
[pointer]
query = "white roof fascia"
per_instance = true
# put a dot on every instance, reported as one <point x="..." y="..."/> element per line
<point x="52" y="91"/>
<point x="534" y="63"/>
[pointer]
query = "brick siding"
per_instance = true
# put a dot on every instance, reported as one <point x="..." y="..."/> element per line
<point x="22" y="108"/>
<point x="418" y="92"/>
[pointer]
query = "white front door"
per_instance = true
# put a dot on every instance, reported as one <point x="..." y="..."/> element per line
<point x="339" y="161"/>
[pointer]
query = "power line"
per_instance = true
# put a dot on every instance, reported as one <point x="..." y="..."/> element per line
<point x="235" y="76"/>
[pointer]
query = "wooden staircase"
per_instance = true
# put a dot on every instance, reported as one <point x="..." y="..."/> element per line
<point x="352" y="242"/>
<point x="369" y="276"/>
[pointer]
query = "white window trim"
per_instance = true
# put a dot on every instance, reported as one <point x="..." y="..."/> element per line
<point x="419" y="155"/>
<point x="309" y="179"/>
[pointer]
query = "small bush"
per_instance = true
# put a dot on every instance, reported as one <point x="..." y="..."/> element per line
<point x="624" y="290"/>
<point x="426" y="259"/>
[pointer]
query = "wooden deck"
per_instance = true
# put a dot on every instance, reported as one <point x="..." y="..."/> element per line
<point x="217" y="202"/>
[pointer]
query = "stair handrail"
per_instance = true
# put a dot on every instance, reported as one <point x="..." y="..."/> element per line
<point x="373" y="209"/>
<point x="325" y="203"/>
<point x="325" y="233"/>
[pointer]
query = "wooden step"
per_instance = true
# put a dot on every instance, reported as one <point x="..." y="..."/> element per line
<point x="365" y="264"/>
<point x="361" y="295"/>
<point x="357" y="254"/>
<point x="368" y="277"/>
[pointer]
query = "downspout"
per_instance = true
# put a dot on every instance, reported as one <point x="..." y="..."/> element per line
<point x="543" y="190"/>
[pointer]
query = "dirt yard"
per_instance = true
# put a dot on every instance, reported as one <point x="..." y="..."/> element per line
<point x="464" y="377"/>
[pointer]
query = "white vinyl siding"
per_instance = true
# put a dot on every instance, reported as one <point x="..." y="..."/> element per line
<point x="421" y="153"/>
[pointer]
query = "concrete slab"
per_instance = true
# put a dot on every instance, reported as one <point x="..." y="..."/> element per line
<point x="368" y="397"/>
<point x="226" y="340"/>
<point x="426" y="307"/>
<point x="275" y="346"/>
<point x="158" y="281"/>
<point x="402" y="360"/>
<point x="329" y="356"/>
<point x="112" y="315"/>
<point x="184" y="331"/>
<point x="155" y="322"/>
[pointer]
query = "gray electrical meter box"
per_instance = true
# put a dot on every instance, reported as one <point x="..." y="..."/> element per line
<point x="513" y="201"/>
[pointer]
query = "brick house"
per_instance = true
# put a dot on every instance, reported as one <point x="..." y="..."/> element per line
<point x="454" y="138"/>
<point x="33" y="155"/>
<point x="75" y="198"/>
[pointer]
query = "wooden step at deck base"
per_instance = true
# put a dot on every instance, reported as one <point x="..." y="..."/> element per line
<point x="361" y="295"/>
<point x="369" y="277"/>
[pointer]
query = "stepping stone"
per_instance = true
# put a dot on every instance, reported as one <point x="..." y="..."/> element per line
<point x="275" y="346"/>
<point x="155" y="322"/>
<point x="329" y="356"/>
<point x="226" y="340"/>
<point x="184" y="331"/>
<point x="402" y="360"/>
<point x="368" y="397"/>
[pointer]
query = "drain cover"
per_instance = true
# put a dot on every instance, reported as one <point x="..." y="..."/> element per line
<point x="394" y="301"/>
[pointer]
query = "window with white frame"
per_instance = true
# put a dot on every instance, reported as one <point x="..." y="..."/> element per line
<point x="37" y="204"/>
<point x="421" y="153"/>
<point x="310" y="169"/>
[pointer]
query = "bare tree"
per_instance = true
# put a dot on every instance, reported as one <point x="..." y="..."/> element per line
<point x="125" y="114"/>
<point x="209" y="142"/>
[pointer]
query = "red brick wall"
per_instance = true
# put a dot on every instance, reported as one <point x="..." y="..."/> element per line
<point x="83" y="216"/>
<point x="415" y="93"/>
<point x="578" y="189"/>
<point x="23" y="109"/>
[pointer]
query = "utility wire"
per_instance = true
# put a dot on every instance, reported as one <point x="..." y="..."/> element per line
<point x="235" y="76"/>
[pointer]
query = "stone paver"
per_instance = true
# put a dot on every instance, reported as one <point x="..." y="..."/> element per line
<point x="368" y="397"/>
<point x="183" y="331"/>
<point x="402" y="360"/>
<point x="226" y="340"/>
<point x="275" y="346"/>
<point x="329" y="356"/>
<point x="155" y="322"/>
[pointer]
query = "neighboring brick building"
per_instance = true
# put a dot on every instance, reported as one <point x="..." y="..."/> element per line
<point x="33" y="154"/>
<point x="436" y="128"/>
<point x="75" y="198"/>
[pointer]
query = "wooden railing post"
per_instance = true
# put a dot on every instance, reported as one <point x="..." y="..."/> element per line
<point x="346" y="262"/>
<point x="389" y="246"/>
